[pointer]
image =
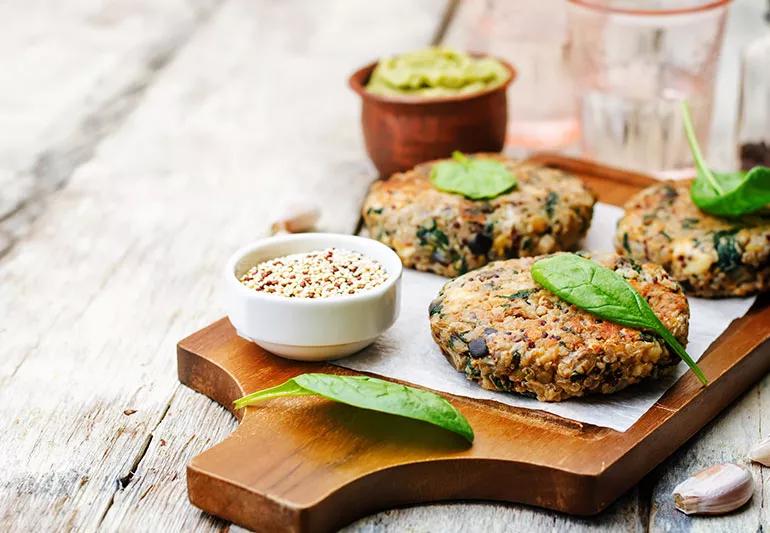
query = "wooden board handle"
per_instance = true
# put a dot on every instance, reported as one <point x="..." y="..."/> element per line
<point x="334" y="463"/>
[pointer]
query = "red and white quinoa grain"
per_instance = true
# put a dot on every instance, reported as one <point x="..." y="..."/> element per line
<point x="317" y="274"/>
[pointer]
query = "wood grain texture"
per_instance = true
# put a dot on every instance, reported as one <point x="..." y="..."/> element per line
<point x="497" y="518"/>
<point x="304" y="483"/>
<point x="70" y="73"/>
<point x="124" y="260"/>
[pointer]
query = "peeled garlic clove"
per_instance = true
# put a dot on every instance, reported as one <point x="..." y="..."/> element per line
<point x="761" y="453"/>
<point x="715" y="490"/>
<point x="297" y="218"/>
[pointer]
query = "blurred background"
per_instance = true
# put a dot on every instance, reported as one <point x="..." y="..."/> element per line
<point x="604" y="79"/>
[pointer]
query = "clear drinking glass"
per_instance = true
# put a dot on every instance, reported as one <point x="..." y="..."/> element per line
<point x="633" y="62"/>
<point x="532" y="36"/>
<point x="754" y="106"/>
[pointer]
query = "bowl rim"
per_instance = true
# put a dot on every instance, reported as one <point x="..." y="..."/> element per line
<point x="357" y="79"/>
<point x="373" y="293"/>
<point x="706" y="5"/>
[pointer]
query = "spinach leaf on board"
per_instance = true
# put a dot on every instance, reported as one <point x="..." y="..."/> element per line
<point x="725" y="194"/>
<point x="371" y="393"/>
<point x="473" y="177"/>
<point x="606" y="294"/>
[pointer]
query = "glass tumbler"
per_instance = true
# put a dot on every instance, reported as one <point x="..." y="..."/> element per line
<point x="633" y="62"/>
<point x="532" y="36"/>
<point x="754" y="105"/>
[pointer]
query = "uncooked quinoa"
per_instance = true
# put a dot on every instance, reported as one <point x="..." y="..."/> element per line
<point x="317" y="274"/>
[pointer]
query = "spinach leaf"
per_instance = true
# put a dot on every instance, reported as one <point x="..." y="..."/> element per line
<point x="728" y="252"/>
<point x="606" y="294"/>
<point x="523" y="293"/>
<point x="371" y="393"/>
<point x="474" y="178"/>
<point x="626" y="244"/>
<point x="550" y="203"/>
<point x="432" y="236"/>
<point x="689" y="223"/>
<point x="731" y="194"/>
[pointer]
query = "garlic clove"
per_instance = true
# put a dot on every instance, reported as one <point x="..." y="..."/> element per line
<point x="761" y="452"/>
<point x="297" y="218"/>
<point x="718" y="489"/>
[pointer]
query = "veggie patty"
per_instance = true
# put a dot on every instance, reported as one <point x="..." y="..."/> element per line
<point x="448" y="234"/>
<point x="505" y="332"/>
<point x="710" y="256"/>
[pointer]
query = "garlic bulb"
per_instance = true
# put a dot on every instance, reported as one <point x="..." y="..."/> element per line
<point x="761" y="452"/>
<point x="297" y="218"/>
<point x="718" y="489"/>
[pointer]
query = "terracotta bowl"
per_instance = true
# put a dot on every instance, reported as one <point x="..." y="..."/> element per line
<point x="403" y="131"/>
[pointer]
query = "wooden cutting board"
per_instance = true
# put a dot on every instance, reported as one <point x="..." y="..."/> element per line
<point x="306" y="464"/>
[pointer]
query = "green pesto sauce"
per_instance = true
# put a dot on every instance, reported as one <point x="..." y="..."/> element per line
<point x="434" y="72"/>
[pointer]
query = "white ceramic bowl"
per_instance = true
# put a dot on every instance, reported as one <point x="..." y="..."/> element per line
<point x="311" y="329"/>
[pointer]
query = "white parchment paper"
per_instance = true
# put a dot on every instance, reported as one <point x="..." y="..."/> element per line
<point x="407" y="351"/>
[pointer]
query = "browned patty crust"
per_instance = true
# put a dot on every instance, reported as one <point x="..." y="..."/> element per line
<point x="710" y="256"/>
<point x="449" y="234"/>
<point x="509" y="334"/>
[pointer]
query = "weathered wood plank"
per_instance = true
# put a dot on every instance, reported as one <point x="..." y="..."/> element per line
<point x="761" y="474"/>
<point x="154" y="493"/>
<point x="69" y="72"/>
<point x="251" y="114"/>
<point x="124" y="260"/>
<point x="491" y="517"/>
<point x="727" y="439"/>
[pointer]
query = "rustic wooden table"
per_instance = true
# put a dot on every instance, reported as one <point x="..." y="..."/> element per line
<point x="143" y="141"/>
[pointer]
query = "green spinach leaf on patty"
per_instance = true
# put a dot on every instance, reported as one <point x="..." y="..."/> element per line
<point x="725" y="194"/>
<point x="606" y="294"/>
<point x="473" y="177"/>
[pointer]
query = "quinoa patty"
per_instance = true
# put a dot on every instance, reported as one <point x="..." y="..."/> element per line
<point x="509" y="334"/>
<point x="449" y="234"/>
<point x="710" y="256"/>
